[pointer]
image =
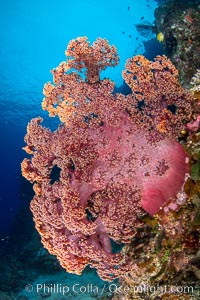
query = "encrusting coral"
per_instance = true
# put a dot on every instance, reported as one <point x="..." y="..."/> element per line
<point x="113" y="157"/>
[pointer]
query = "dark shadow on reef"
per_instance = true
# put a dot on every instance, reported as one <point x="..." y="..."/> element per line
<point x="179" y="21"/>
<point x="152" y="49"/>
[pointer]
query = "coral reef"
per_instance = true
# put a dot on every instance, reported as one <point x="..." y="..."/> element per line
<point x="112" y="158"/>
<point x="195" y="83"/>
<point x="179" y="23"/>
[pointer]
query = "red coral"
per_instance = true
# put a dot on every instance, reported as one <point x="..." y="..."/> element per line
<point x="112" y="157"/>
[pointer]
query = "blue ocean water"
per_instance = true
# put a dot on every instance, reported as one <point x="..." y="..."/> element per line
<point x="33" y="39"/>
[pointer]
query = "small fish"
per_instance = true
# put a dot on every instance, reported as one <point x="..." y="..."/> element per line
<point x="160" y="37"/>
<point x="142" y="18"/>
<point x="128" y="7"/>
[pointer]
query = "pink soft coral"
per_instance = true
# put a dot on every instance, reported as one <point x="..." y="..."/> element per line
<point x="116" y="154"/>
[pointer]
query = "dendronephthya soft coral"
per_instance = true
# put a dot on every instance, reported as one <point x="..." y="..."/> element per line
<point x="115" y="155"/>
